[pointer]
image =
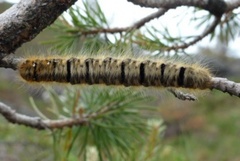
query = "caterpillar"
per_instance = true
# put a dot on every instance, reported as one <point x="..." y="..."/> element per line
<point x="115" y="71"/>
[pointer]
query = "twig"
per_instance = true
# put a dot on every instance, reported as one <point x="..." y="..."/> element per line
<point x="182" y="96"/>
<point x="38" y="123"/>
<point x="10" y="61"/>
<point x="225" y="85"/>
<point x="136" y="25"/>
<point x="14" y="117"/>
<point x="207" y="31"/>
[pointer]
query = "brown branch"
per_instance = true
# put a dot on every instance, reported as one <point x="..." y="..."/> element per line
<point x="215" y="7"/>
<point x="40" y="124"/>
<point x="136" y="25"/>
<point x="14" y="117"/>
<point x="152" y="16"/>
<point x="225" y="85"/>
<point x="43" y="124"/>
<point x="207" y="31"/>
<point x="23" y="21"/>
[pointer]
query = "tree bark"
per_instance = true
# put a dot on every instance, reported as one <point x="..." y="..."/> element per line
<point x="26" y="19"/>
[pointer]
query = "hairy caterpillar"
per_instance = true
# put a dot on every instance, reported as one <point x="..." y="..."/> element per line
<point x="115" y="71"/>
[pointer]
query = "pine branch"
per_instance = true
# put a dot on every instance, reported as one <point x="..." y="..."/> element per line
<point x="148" y="18"/>
<point x="107" y="109"/>
<point x="43" y="124"/>
<point x="215" y="7"/>
<point x="10" y="61"/>
<point x="136" y="25"/>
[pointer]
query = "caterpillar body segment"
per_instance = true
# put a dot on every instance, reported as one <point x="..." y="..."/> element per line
<point x="115" y="71"/>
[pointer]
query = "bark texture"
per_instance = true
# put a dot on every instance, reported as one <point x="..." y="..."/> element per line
<point x="26" y="19"/>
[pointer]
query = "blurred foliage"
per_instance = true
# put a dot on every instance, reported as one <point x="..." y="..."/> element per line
<point x="116" y="122"/>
